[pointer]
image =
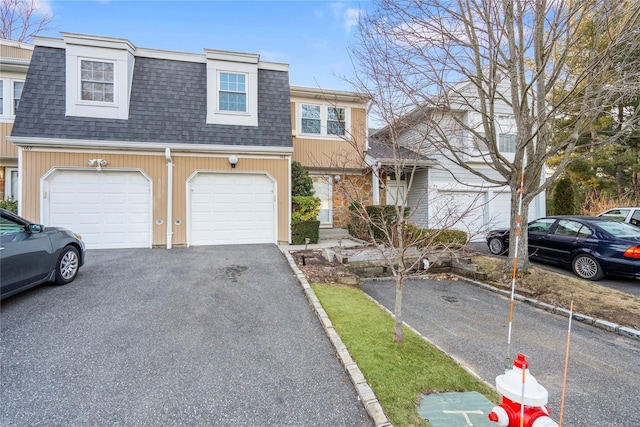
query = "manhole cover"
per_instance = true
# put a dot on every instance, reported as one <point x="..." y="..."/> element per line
<point x="468" y="409"/>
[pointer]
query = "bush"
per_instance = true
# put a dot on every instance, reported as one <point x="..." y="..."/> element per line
<point x="305" y="229"/>
<point x="10" y="205"/>
<point x="304" y="208"/>
<point x="438" y="237"/>
<point x="301" y="182"/>
<point x="382" y="221"/>
<point x="564" y="199"/>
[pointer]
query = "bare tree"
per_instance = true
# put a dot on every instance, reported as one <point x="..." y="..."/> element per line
<point x="23" y="19"/>
<point x="432" y="60"/>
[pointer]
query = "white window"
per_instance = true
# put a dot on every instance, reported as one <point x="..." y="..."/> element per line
<point x="11" y="183"/>
<point x="233" y="92"/>
<point x="311" y="121"/>
<point x="323" y="120"/>
<point x="507" y="143"/>
<point x="10" y="94"/>
<point x="17" y="94"/>
<point x="97" y="81"/>
<point x="232" y="88"/>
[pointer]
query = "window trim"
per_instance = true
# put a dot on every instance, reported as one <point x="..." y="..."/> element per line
<point x="8" y="97"/>
<point x="219" y="90"/>
<point x="324" y="120"/>
<point x="114" y="83"/>
<point x="8" y="183"/>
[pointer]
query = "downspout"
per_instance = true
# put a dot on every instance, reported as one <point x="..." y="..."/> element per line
<point x="167" y="155"/>
<point x="376" y="183"/>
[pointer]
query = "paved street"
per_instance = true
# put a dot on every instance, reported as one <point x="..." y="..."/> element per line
<point x="471" y="324"/>
<point x="208" y="336"/>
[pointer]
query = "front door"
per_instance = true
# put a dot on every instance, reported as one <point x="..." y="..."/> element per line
<point x="324" y="191"/>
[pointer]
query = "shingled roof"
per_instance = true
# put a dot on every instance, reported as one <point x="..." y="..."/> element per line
<point x="168" y="105"/>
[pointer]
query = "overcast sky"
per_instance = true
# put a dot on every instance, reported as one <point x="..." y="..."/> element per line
<point x="311" y="36"/>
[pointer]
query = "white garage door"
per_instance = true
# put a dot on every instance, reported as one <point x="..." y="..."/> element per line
<point x="232" y="209"/>
<point x="464" y="210"/>
<point x="110" y="209"/>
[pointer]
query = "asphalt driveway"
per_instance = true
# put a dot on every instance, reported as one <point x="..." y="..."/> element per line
<point x="198" y="336"/>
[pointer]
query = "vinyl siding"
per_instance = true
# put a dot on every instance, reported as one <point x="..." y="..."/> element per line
<point x="7" y="149"/>
<point x="38" y="163"/>
<point x="332" y="153"/>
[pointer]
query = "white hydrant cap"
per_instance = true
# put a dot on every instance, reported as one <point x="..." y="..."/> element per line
<point x="544" y="422"/>
<point x="501" y="415"/>
<point x="510" y="385"/>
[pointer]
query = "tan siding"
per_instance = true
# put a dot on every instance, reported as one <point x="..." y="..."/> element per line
<point x="7" y="149"/>
<point x="333" y="154"/>
<point x="15" y="52"/>
<point x="38" y="163"/>
<point x="154" y="166"/>
<point x="185" y="167"/>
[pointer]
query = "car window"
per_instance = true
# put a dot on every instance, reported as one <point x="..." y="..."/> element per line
<point x="620" y="229"/>
<point x="541" y="225"/>
<point x="635" y="218"/>
<point x="8" y="226"/>
<point x="617" y="214"/>
<point x="570" y="228"/>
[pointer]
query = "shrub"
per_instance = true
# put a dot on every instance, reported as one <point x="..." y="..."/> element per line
<point x="381" y="222"/>
<point x="305" y="229"/>
<point x="304" y="208"/>
<point x="10" y="205"/>
<point x="564" y="199"/>
<point x="438" y="237"/>
<point x="301" y="182"/>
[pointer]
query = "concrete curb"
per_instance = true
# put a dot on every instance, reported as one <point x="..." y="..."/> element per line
<point x="598" y="323"/>
<point x="365" y="394"/>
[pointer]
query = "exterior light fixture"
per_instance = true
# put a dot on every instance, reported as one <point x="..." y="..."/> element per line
<point x="233" y="160"/>
<point x="99" y="163"/>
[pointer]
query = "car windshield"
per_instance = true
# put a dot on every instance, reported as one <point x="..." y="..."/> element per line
<point x="620" y="229"/>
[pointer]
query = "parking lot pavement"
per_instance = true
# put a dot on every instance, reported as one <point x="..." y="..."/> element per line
<point x="198" y="336"/>
<point x="471" y="325"/>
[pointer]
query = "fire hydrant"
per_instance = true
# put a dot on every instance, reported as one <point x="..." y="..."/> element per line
<point x="518" y="387"/>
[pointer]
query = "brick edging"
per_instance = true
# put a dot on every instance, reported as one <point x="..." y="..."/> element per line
<point x="365" y="394"/>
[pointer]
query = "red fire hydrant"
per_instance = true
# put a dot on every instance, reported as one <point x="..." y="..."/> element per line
<point x="518" y="387"/>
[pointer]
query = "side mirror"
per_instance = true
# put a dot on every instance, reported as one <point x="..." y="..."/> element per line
<point x="35" y="228"/>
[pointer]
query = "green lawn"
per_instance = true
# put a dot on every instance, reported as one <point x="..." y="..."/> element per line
<point x="396" y="373"/>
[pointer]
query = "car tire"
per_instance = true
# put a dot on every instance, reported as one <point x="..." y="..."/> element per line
<point x="496" y="246"/>
<point x="67" y="266"/>
<point x="587" y="267"/>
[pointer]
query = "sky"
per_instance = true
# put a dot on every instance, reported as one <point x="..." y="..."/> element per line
<point x="313" y="37"/>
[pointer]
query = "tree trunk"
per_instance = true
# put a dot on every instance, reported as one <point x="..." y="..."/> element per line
<point x="522" y="244"/>
<point x="398" y="337"/>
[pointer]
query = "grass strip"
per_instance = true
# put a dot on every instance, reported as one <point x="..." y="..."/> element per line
<point x="398" y="374"/>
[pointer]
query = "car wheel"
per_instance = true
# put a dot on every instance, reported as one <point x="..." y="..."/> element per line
<point x="67" y="265"/>
<point x="587" y="267"/>
<point x="496" y="246"/>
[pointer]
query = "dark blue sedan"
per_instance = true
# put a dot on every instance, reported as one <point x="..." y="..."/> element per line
<point x="31" y="254"/>
<point x="591" y="247"/>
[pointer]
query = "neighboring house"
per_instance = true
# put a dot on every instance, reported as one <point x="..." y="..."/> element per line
<point x="443" y="194"/>
<point x="330" y="140"/>
<point x="14" y="62"/>
<point x="134" y="147"/>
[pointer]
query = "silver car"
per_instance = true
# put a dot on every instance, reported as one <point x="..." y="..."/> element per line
<point x="629" y="215"/>
<point x="31" y="254"/>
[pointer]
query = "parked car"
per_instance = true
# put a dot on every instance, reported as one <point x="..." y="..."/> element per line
<point x="629" y="214"/>
<point x="31" y="254"/>
<point x="592" y="247"/>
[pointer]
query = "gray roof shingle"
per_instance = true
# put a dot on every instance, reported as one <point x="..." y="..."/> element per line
<point x="168" y="105"/>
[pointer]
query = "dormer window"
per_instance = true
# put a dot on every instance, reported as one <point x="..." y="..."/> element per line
<point x="97" y="81"/>
<point x="233" y="92"/>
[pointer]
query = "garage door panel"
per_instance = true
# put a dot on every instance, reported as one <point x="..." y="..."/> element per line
<point x="232" y="209"/>
<point x="110" y="209"/>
